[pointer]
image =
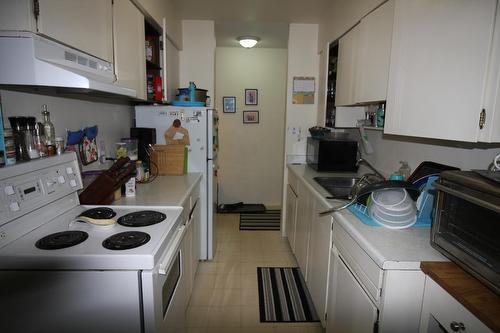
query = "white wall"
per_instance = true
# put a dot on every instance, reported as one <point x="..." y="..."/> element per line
<point x="197" y="58"/>
<point x="303" y="60"/>
<point x="251" y="155"/>
<point x="113" y="120"/>
<point x="390" y="149"/>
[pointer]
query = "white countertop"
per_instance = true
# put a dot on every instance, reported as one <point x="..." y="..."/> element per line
<point x="163" y="191"/>
<point x="390" y="249"/>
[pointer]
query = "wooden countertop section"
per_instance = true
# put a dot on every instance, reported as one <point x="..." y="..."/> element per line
<point x="469" y="291"/>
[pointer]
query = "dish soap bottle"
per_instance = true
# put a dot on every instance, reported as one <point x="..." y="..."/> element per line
<point x="404" y="170"/>
<point x="48" y="127"/>
<point x="192" y="92"/>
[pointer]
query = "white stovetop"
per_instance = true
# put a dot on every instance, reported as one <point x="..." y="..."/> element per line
<point x="91" y="255"/>
<point x="390" y="249"/>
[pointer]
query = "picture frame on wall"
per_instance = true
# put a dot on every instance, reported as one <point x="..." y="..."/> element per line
<point x="251" y="96"/>
<point x="251" y="117"/>
<point x="229" y="104"/>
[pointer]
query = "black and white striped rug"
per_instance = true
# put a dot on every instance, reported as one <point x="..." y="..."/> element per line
<point x="268" y="220"/>
<point x="283" y="296"/>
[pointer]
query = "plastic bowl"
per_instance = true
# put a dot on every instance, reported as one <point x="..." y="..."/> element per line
<point x="392" y="197"/>
<point x="375" y="211"/>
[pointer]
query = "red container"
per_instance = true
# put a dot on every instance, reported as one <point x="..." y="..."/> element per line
<point x="158" y="88"/>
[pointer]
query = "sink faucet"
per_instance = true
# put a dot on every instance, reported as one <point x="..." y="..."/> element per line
<point x="363" y="161"/>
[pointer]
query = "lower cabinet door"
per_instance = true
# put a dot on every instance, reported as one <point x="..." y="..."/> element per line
<point x="318" y="259"/>
<point x="352" y="311"/>
<point x="291" y="216"/>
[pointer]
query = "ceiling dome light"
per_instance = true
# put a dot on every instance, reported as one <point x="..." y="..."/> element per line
<point x="248" y="41"/>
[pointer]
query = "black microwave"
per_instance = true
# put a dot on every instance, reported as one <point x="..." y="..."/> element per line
<point x="466" y="224"/>
<point x="329" y="154"/>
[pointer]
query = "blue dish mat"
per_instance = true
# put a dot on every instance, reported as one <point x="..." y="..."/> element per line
<point x="361" y="212"/>
<point x="425" y="205"/>
<point x="187" y="103"/>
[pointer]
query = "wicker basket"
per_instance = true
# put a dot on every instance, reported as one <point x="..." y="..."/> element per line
<point x="169" y="159"/>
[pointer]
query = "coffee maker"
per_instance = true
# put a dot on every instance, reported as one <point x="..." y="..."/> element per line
<point x="146" y="137"/>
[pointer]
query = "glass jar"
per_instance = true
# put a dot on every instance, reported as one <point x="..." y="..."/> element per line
<point x="121" y="150"/>
<point x="132" y="148"/>
<point x="59" y="145"/>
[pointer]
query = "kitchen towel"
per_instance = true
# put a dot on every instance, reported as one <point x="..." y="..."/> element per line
<point x="283" y="296"/>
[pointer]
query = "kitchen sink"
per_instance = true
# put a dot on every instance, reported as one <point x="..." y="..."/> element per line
<point x="338" y="187"/>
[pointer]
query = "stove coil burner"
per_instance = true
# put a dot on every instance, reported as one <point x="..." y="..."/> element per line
<point x="126" y="240"/>
<point x="141" y="218"/>
<point x="99" y="213"/>
<point x="61" y="240"/>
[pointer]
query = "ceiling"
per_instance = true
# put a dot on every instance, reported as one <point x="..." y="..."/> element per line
<point x="266" y="19"/>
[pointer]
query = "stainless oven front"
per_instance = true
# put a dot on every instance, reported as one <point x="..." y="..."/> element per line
<point x="466" y="226"/>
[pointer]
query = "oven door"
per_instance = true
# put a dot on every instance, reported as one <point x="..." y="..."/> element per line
<point x="466" y="230"/>
<point x="164" y="291"/>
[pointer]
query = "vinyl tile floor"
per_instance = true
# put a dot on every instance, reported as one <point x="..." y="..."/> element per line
<point x="225" y="296"/>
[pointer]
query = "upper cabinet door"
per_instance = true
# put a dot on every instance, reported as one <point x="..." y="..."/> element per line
<point x="489" y="131"/>
<point x="130" y="58"/>
<point x="85" y="25"/>
<point x="438" y="65"/>
<point x="346" y="68"/>
<point x="374" y="50"/>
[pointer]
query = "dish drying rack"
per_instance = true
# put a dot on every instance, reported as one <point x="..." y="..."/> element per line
<point x="425" y="205"/>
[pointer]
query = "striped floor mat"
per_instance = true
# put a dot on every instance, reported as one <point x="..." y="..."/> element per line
<point x="283" y="296"/>
<point x="269" y="220"/>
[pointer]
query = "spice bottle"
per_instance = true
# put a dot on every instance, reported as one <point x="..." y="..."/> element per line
<point x="48" y="127"/>
<point x="10" y="147"/>
<point x="404" y="170"/>
<point x="139" y="174"/>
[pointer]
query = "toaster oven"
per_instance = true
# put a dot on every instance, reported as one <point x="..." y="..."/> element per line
<point x="466" y="225"/>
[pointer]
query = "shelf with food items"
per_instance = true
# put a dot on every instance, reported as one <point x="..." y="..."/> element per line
<point x="154" y="71"/>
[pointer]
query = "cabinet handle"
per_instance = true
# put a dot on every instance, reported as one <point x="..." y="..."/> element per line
<point x="455" y="327"/>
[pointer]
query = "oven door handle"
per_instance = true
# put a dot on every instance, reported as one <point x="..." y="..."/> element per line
<point x="170" y="254"/>
<point x="467" y="197"/>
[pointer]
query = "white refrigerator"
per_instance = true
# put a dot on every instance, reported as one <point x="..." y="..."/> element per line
<point x="202" y="125"/>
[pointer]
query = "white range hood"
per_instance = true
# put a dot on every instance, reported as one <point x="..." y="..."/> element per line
<point x="28" y="59"/>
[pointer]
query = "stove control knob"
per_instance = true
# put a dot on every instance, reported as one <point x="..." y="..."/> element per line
<point x="9" y="190"/>
<point x="72" y="183"/>
<point x="14" y="206"/>
<point x="61" y="180"/>
<point x="69" y="170"/>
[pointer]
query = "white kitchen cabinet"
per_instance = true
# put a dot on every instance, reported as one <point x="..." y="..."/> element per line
<point x="291" y="216"/>
<point x="305" y="211"/>
<point x="318" y="259"/>
<point x="84" y="25"/>
<point x="396" y="294"/>
<point x="439" y="58"/>
<point x="346" y="68"/>
<point x="195" y="248"/>
<point x="443" y="313"/>
<point x="187" y="263"/>
<point x="490" y="129"/>
<point x="129" y="51"/>
<point x="363" y="60"/>
<point x="352" y="310"/>
<point x="374" y="51"/>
